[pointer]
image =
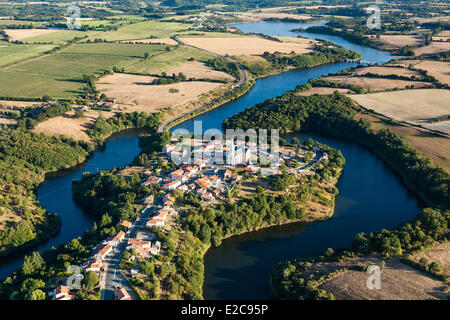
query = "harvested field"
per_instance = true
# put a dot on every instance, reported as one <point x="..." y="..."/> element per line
<point x="376" y="84"/>
<point x="199" y="70"/>
<point x="247" y="45"/>
<point x="438" y="69"/>
<point x="69" y="126"/>
<point x="439" y="254"/>
<point x="434" y="147"/>
<point x="385" y="71"/>
<point x="416" y="106"/>
<point x="259" y="16"/>
<point x="394" y="42"/>
<point x="19" y="104"/>
<point x="434" y="47"/>
<point x="322" y="90"/>
<point x="20" y="34"/>
<point x="129" y="89"/>
<point x="398" y="282"/>
<point x="442" y="126"/>
<point x="7" y="121"/>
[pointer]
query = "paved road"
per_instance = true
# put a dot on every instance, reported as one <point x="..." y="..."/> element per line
<point x="112" y="276"/>
<point x="242" y="81"/>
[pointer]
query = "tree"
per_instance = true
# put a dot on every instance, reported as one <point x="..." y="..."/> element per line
<point x="33" y="263"/>
<point x="90" y="280"/>
<point x="79" y="114"/>
<point x="36" y="295"/>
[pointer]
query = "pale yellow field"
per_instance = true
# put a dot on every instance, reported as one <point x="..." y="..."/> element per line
<point x="438" y="69"/>
<point x="322" y="90"/>
<point x="376" y="84"/>
<point x="416" y="106"/>
<point x="199" y="70"/>
<point x="247" y="45"/>
<point x="434" y="47"/>
<point x="392" y="42"/>
<point x="69" y="126"/>
<point x="388" y="71"/>
<point x="129" y="89"/>
<point x="21" y="34"/>
<point x="19" y="104"/>
<point x="398" y="282"/>
<point x="440" y="254"/>
<point x="259" y="16"/>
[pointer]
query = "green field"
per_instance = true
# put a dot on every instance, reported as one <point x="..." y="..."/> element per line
<point x="58" y="75"/>
<point x="57" y="37"/>
<point x="138" y="31"/>
<point x="15" y="53"/>
<point x="161" y="63"/>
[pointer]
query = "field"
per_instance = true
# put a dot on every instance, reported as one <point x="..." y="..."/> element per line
<point x="434" y="147"/>
<point x="376" y="84"/>
<point x="168" y="41"/>
<point x="21" y="34"/>
<point x="55" y="37"/>
<point x="434" y="47"/>
<point x="139" y="31"/>
<point x="134" y="93"/>
<point x="439" y="254"/>
<point x="393" y="42"/>
<point x="247" y="45"/>
<point x="438" y="69"/>
<point x="14" y="53"/>
<point x="59" y="74"/>
<point x="260" y="16"/>
<point x="69" y="126"/>
<point x="417" y="106"/>
<point x="398" y="282"/>
<point x="168" y="60"/>
<point x="199" y="70"/>
<point x="384" y="71"/>
<point x="322" y="91"/>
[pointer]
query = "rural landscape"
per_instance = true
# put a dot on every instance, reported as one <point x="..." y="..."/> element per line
<point x="119" y="179"/>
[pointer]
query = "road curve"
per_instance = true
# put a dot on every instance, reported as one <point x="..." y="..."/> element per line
<point x="242" y="81"/>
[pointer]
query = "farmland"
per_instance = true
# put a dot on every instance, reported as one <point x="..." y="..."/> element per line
<point x="247" y="45"/>
<point x="139" y="31"/>
<point x="14" y="53"/>
<point x="417" y="106"/>
<point x="59" y="74"/>
<point x="163" y="62"/>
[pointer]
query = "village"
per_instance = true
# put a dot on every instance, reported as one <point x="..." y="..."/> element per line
<point x="201" y="176"/>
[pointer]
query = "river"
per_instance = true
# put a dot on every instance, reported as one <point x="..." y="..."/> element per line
<point x="371" y="196"/>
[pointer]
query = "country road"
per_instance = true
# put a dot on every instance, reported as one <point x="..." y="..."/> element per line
<point x="242" y="81"/>
<point x="113" y="278"/>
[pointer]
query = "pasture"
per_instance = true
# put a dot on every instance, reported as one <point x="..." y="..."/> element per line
<point x="15" y="53"/>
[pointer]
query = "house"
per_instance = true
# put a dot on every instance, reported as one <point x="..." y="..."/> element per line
<point x="121" y="294"/>
<point x="191" y="170"/>
<point x="155" y="223"/>
<point x="172" y="185"/>
<point x="151" y="180"/>
<point x="160" y="216"/>
<point x="203" y="183"/>
<point x="149" y="199"/>
<point x="179" y="177"/>
<point x="124" y="223"/>
<point x="140" y="246"/>
<point x="92" y="265"/>
<point x="207" y="197"/>
<point x="215" y="180"/>
<point x="114" y="240"/>
<point x="61" y="292"/>
<point x="101" y="251"/>
<point x="169" y="197"/>
<point x="184" y="188"/>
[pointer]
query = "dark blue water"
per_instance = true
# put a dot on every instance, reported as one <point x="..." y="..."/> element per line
<point x="55" y="194"/>
<point x="371" y="196"/>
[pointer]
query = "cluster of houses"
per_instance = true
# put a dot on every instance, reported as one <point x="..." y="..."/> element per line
<point x="144" y="245"/>
<point x="109" y="104"/>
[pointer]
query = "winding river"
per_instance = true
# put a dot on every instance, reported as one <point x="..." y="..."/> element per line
<point x="371" y="196"/>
